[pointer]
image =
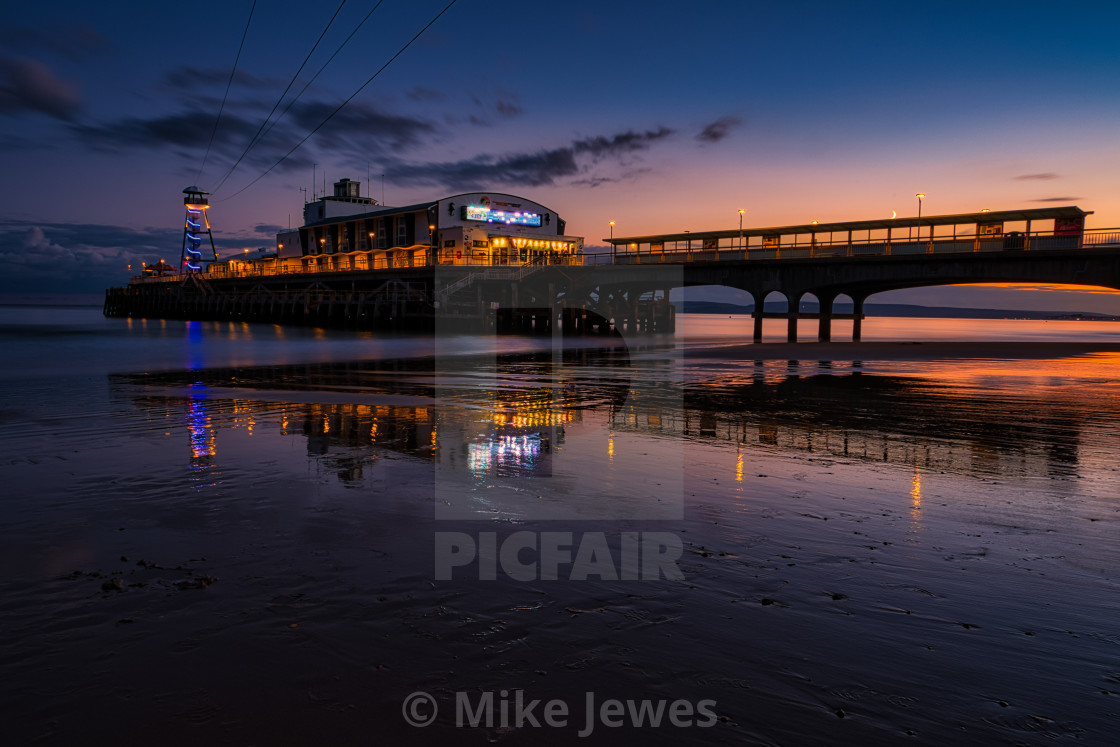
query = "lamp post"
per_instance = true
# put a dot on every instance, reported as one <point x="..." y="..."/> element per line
<point x="614" y="247"/>
<point x="920" y="195"/>
<point x="741" y="228"/>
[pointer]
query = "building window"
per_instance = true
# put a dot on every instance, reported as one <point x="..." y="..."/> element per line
<point x="402" y="230"/>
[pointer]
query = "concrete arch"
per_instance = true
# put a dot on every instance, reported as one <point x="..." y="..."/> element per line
<point x="840" y="299"/>
<point x="762" y="298"/>
<point x="830" y="278"/>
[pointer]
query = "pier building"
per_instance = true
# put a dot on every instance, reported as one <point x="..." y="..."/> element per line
<point x="344" y="231"/>
<point x="499" y="262"/>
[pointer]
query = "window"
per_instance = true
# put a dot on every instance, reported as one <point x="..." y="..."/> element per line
<point x="402" y="230"/>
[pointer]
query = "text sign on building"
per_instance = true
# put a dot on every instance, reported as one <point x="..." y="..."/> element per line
<point x="1069" y="226"/>
<point x="510" y="218"/>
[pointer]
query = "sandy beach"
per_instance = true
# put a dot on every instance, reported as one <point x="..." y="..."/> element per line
<point x="919" y="549"/>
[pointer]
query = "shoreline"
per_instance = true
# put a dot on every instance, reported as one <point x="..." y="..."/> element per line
<point x="895" y="351"/>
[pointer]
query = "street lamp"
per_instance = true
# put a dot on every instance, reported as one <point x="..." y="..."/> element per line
<point x="741" y="228"/>
<point x="614" y="248"/>
<point x="920" y="195"/>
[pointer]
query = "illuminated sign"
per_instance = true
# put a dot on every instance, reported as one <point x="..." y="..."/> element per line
<point x="1069" y="226"/>
<point x="510" y="218"/>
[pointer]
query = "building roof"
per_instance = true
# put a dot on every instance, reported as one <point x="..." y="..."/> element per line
<point x="379" y="210"/>
<point x="994" y="216"/>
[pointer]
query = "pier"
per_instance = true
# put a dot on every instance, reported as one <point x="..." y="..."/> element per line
<point x="421" y="288"/>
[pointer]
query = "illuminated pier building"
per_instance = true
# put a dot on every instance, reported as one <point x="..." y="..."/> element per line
<point x="347" y="231"/>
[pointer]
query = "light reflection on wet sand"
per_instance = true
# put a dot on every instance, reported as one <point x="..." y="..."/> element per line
<point x="925" y="546"/>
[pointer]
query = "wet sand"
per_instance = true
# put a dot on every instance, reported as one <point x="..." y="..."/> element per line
<point x="235" y="556"/>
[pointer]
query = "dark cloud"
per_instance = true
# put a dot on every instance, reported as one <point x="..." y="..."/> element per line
<point x="267" y="229"/>
<point x="363" y="125"/>
<point x="718" y="130"/>
<point x="356" y="132"/>
<point x="190" y="129"/>
<point x="74" y="42"/>
<point x="88" y="257"/>
<point x="1057" y="199"/>
<point x="507" y="108"/>
<point x="626" y="142"/>
<point x="504" y="103"/>
<point x="595" y="181"/>
<point x="543" y="167"/>
<point x="528" y="169"/>
<point x="30" y="86"/>
<point x="194" y="78"/>
<point x="1036" y="177"/>
<point x="75" y="257"/>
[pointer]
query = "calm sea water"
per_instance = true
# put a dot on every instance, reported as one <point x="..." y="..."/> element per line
<point x="226" y="533"/>
<point x="905" y="329"/>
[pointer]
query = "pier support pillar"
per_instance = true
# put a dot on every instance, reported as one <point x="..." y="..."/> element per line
<point x="824" y="329"/>
<point x="857" y="317"/>
<point x="794" y="308"/>
<point x="757" y="299"/>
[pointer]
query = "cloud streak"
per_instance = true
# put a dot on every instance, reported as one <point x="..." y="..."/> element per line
<point x="540" y="168"/>
<point x="187" y="130"/>
<point x="194" y="78"/>
<point x="28" y="86"/>
<point x="718" y="130"/>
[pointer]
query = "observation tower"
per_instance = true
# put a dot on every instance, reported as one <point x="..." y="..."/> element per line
<point x="194" y="258"/>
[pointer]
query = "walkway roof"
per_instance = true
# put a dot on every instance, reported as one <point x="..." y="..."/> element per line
<point x="994" y="216"/>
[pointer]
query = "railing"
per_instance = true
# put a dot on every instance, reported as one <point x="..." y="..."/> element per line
<point x="517" y="273"/>
<point x="1010" y="242"/>
<point x="332" y="263"/>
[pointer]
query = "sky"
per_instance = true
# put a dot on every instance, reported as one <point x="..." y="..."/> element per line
<point x="660" y="116"/>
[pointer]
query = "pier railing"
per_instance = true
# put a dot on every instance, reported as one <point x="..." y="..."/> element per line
<point x="343" y="263"/>
<point x="731" y="249"/>
<point x="671" y="252"/>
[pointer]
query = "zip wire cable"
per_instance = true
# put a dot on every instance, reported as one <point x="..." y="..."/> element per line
<point x="344" y="103"/>
<point x="226" y="95"/>
<point x="316" y="75"/>
<point x="275" y="106"/>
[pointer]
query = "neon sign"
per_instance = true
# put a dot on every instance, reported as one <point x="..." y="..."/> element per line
<point x="510" y="218"/>
<point x="194" y="242"/>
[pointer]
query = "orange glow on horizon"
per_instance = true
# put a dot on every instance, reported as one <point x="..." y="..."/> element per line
<point x="1048" y="287"/>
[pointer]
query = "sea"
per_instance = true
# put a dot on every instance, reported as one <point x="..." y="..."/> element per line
<point x="233" y="533"/>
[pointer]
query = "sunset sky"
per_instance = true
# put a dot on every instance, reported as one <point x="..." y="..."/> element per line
<point x="659" y="116"/>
